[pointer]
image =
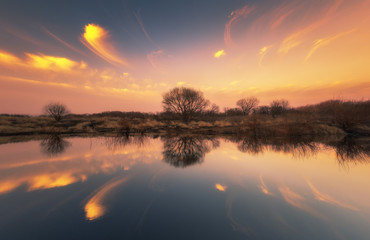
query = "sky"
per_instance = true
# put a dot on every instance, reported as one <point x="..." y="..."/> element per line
<point x="123" y="55"/>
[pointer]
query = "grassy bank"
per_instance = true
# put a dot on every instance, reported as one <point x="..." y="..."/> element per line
<point x="256" y="125"/>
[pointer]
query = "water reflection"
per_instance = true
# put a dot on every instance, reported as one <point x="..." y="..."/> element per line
<point x="184" y="151"/>
<point x="54" y="144"/>
<point x="95" y="207"/>
<point x="121" y="140"/>
<point x="352" y="150"/>
<point x="127" y="187"/>
<point x="298" y="147"/>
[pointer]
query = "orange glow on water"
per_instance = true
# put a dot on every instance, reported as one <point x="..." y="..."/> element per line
<point x="95" y="208"/>
<point x="220" y="187"/>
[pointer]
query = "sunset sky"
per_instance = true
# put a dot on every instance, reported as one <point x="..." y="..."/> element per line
<point x="123" y="55"/>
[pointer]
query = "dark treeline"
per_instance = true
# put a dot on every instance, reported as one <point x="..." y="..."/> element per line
<point x="186" y="109"/>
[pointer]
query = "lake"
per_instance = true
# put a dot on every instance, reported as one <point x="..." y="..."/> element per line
<point x="184" y="187"/>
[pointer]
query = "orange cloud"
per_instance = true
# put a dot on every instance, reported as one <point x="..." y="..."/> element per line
<point x="281" y="19"/>
<point x="96" y="39"/>
<point x="262" y="54"/>
<point x="234" y="16"/>
<point x="51" y="62"/>
<point x="8" y="58"/>
<point x="219" y="54"/>
<point x="325" y="41"/>
<point x="296" y="38"/>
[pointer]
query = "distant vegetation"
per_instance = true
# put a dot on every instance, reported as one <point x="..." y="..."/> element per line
<point x="187" y="110"/>
<point x="56" y="110"/>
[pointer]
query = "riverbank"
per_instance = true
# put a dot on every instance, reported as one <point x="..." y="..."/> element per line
<point x="261" y="126"/>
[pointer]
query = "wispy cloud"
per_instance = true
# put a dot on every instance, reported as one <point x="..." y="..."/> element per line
<point x="159" y="60"/>
<point x="262" y="54"/>
<point x="326" y="41"/>
<point x="62" y="41"/>
<point x="296" y="38"/>
<point x="140" y="21"/>
<point x="96" y="39"/>
<point x="234" y="16"/>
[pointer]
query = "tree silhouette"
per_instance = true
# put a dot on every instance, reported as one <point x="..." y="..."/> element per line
<point x="184" y="101"/>
<point x="278" y="107"/>
<point x="246" y="105"/>
<point x="56" y="110"/>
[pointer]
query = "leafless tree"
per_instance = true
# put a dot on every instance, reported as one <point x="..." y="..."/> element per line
<point x="56" y="110"/>
<point x="247" y="104"/>
<point x="278" y="107"/>
<point x="185" y="101"/>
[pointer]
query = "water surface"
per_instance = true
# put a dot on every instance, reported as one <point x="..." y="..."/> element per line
<point x="183" y="187"/>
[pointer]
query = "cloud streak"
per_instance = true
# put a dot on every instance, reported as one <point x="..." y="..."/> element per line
<point x="326" y="41"/>
<point x="234" y="17"/>
<point x="97" y="39"/>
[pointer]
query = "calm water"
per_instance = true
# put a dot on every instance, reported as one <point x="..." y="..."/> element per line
<point x="183" y="188"/>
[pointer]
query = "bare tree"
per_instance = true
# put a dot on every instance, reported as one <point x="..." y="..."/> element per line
<point x="185" y="101"/>
<point x="56" y="110"/>
<point x="278" y="107"/>
<point x="246" y="105"/>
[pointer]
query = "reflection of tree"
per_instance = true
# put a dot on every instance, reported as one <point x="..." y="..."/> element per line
<point x="251" y="145"/>
<point x="183" y="151"/>
<point x="351" y="149"/>
<point x="54" y="144"/>
<point x="297" y="147"/>
<point x="121" y="140"/>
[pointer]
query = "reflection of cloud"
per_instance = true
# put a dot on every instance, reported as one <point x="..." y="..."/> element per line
<point x="219" y="54"/>
<point x="243" y="228"/>
<point x="325" y="41"/>
<point x="234" y="16"/>
<point x="220" y="187"/>
<point x="328" y="199"/>
<point x="95" y="208"/>
<point x="96" y="39"/>
<point x="297" y="201"/>
<point x="35" y="172"/>
<point x="264" y="188"/>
